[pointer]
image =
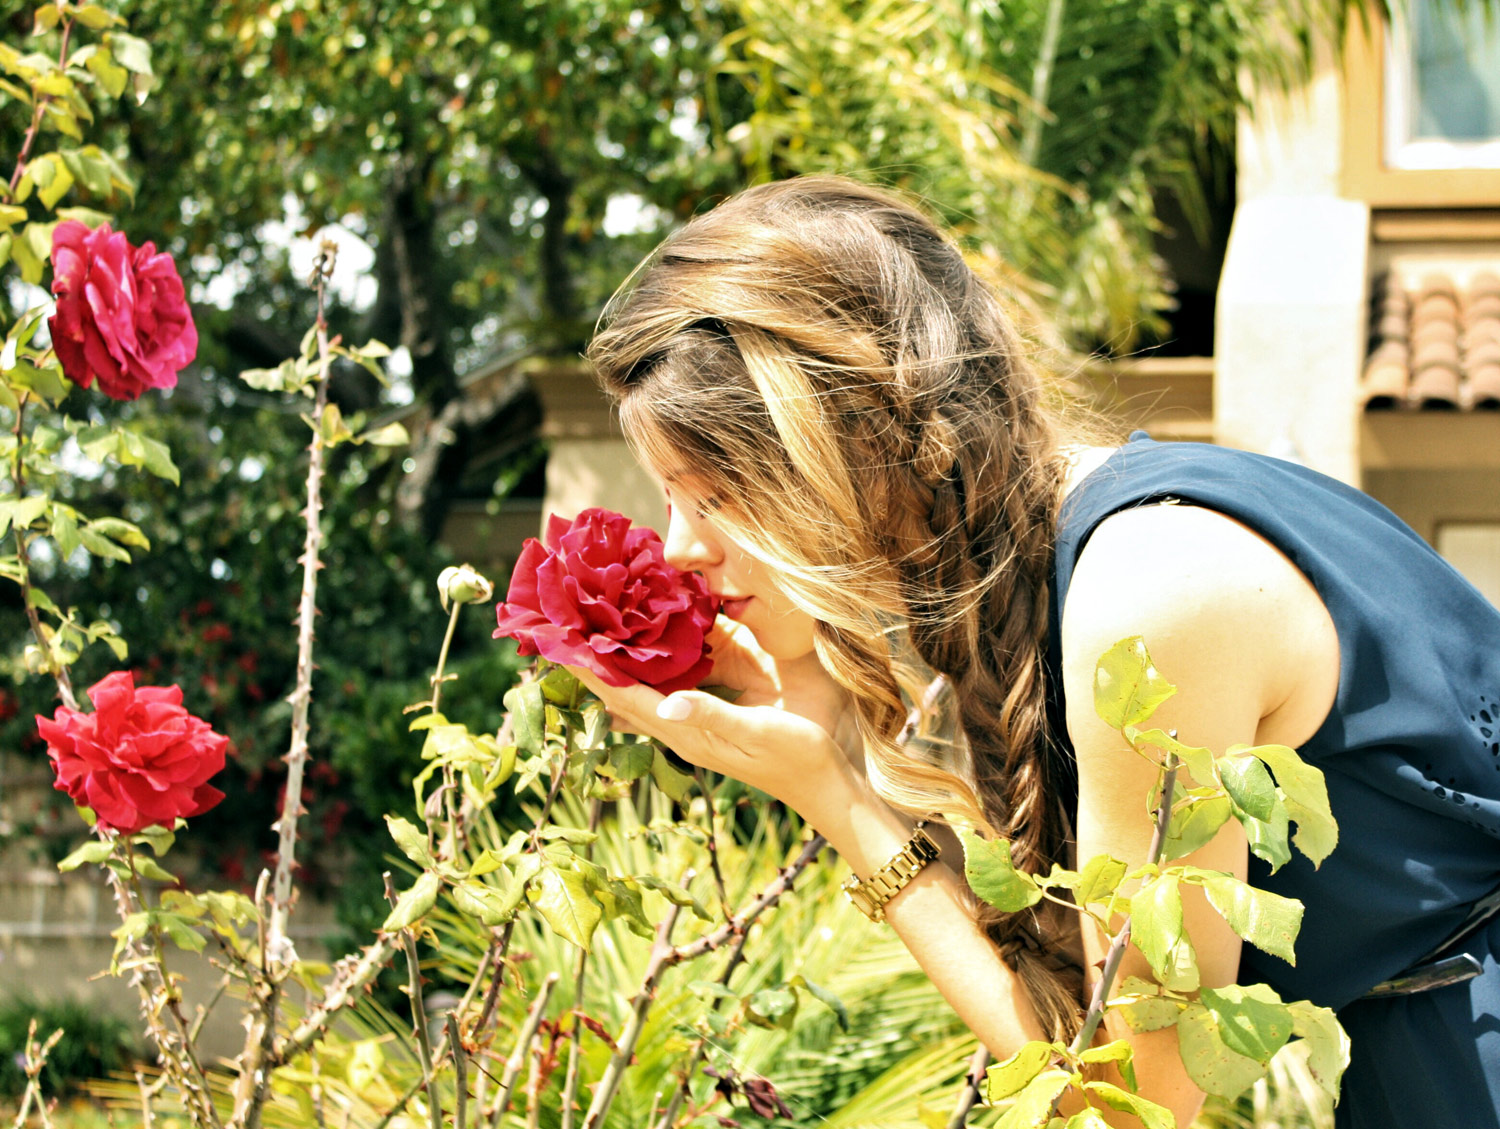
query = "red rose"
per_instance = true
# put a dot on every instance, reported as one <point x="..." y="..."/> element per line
<point x="122" y="315"/>
<point x="139" y="759"/>
<point x="601" y="595"/>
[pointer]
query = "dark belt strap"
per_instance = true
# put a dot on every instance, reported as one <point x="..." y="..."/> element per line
<point x="1437" y="970"/>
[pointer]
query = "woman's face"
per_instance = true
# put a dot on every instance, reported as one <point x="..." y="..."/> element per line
<point x="747" y="586"/>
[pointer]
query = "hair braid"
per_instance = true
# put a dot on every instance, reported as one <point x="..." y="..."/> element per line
<point x="820" y="343"/>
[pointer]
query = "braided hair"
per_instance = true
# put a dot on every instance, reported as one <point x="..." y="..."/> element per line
<point x="817" y="353"/>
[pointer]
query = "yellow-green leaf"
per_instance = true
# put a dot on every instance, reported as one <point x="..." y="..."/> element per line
<point x="1212" y="1066"/>
<point x="1151" y="1115"/>
<point x="1156" y="928"/>
<point x="1252" y="1020"/>
<point x="414" y="903"/>
<point x="1119" y="1052"/>
<point x="1193" y="824"/>
<point x="1306" y="793"/>
<point x="1268" y="921"/>
<point x="1327" y="1044"/>
<point x="1199" y="761"/>
<point x="1033" y="1105"/>
<point x="410" y="839"/>
<point x="93" y="851"/>
<point x="993" y="876"/>
<point x="1098" y="879"/>
<point x="1249" y="785"/>
<point x="1127" y="687"/>
<point x="561" y="897"/>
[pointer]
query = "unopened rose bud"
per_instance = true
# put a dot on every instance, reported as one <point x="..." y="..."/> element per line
<point x="463" y="585"/>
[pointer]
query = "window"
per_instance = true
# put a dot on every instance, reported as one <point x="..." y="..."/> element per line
<point x="1422" y="124"/>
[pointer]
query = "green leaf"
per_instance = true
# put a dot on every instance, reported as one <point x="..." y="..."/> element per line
<point x="677" y="785"/>
<point x="620" y="898"/>
<point x="826" y="998"/>
<point x="1144" y="1007"/>
<point x="773" y="1007"/>
<point x="1151" y="1115"/>
<point x="1033" y="1105"/>
<point x="1127" y="687"/>
<point x="1327" y="1044"/>
<point x="491" y="906"/>
<point x="629" y="761"/>
<point x="1252" y="1020"/>
<point x="96" y="18"/>
<point x="59" y="182"/>
<point x="562" y="899"/>
<point x="183" y="935"/>
<point x="1199" y="761"/>
<point x="1268" y="921"/>
<point x="1212" y="1066"/>
<point x="524" y="701"/>
<point x="101" y="546"/>
<point x="411" y="840"/>
<point x="1086" y="1118"/>
<point x="1306" y="794"/>
<point x="1119" y="1052"/>
<point x="117" y="529"/>
<point x="1014" y="1074"/>
<point x="576" y="835"/>
<point x="159" y="839"/>
<point x="390" y="435"/>
<point x="131" y="53"/>
<point x="1156" y="928"/>
<point x="148" y="867"/>
<point x="413" y="905"/>
<point x="1193" y="824"/>
<point x="1268" y="837"/>
<point x="1098" y="879"/>
<point x="677" y="895"/>
<point x="65" y="530"/>
<point x="93" y="851"/>
<point x="994" y="878"/>
<point x="1249" y="785"/>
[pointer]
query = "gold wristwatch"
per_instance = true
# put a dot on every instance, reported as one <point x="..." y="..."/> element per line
<point x="871" y="895"/>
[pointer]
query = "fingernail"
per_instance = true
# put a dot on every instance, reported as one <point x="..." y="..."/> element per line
<point x="674" y="709"/>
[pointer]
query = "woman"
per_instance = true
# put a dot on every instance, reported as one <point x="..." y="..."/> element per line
<point x="860" y="462"/>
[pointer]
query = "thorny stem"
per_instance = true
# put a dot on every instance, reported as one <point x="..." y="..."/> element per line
<point x="1121" y="939"/>
<point x="418" y="1014"/>
<point x="254" y="1081"/>
<point x="498" y="980"/>
<point x="685" y="1086"/>
<point x="351" y="975"/>
<point x="713" y="841"/>
<point x="36" y="113"/>
<point x="183" y="1055"/>
<point x="450" y="784"/>
<point x="973" y="1080"/>
<point x="522" y="1050"/>
<point x="575" y="1039"/>
<point x="33" y="1059"/>
<point x="55" y="667"/>
<point x="461" y="1072"/>
<point x="609" y="1082"/>
<point x="742" y="921"/>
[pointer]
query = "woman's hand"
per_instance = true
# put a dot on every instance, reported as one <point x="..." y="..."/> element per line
<point x="791" y="731"/>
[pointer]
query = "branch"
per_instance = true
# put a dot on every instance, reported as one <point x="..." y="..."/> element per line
<point x="742" y="921"/>
<point x="609" y="1082"/>
<point x="351" y="975"/>
<point x="519" y="1055"/>
<point x="973" y="1080"/>
<point x="1121" y="939"/>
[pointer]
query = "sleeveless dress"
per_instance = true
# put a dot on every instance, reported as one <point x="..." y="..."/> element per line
<point x="1411" y="755"/>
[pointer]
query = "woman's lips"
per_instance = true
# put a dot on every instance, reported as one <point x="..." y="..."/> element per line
<point x="735" y="608"/>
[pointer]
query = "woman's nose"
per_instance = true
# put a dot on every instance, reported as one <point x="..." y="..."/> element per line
<point x="689" y="546"/>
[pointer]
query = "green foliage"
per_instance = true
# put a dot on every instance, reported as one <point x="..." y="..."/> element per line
<point x="1227" y="1036"/>
<point x="94" y="1043"/>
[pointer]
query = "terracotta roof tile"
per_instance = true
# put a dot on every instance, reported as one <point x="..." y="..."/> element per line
<point x="1435" y="346"/>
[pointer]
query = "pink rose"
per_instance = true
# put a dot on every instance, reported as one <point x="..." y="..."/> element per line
<point x="139" y="759"/>
<point x="600" y="595"/>
<point x="122" y="316"/>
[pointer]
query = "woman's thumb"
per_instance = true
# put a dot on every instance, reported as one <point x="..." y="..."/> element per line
<point x="682" y="706"/>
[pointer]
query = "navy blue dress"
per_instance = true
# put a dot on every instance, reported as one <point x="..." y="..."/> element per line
<point x="1411" y="755"/>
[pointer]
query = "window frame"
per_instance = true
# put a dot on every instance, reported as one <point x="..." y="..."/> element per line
<point x="1366" y="176"/>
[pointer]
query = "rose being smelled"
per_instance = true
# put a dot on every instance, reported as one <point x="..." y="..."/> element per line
<point x="122" y="314"/>
<point x="601" y="595"/>
<point x="139" y="760"/>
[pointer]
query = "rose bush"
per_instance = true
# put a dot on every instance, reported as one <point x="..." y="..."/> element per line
<point x="601" y="595"/>
<point x="122" y="314"/>
<point x="139" y="760"/>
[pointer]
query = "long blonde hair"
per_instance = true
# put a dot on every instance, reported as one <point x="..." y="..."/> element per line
<point x="822" y="359"/>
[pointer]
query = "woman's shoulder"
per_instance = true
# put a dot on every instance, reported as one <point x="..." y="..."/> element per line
<point x="1216" y="602"/>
